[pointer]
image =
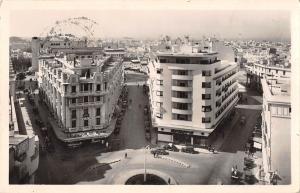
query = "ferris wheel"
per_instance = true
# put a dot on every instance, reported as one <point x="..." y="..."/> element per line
<point x="72" y="28"/>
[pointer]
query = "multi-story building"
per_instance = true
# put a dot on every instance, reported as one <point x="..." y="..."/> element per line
<point x="276" y="128"/>
<point x="191" y="91"/>
<point x="256" y="71"/>
<point x="81" y="87"/>
<point x="41" y="46"/>
<point x="114" y="52"/>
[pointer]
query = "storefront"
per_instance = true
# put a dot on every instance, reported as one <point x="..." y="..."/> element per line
<point x="182" y="137"/>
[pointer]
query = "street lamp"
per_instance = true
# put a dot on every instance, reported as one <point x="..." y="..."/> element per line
<point x="145" y="163"/>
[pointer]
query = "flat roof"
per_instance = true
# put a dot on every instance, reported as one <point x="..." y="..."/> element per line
<point x="277" y="90"/>
<point x="17" y="139"/>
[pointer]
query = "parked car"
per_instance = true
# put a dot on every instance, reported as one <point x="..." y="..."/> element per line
<point x="159" y="151"/>
<point x="189" y="149"/>
<point x="243" y="120"/>
<point x="171" y="147"/>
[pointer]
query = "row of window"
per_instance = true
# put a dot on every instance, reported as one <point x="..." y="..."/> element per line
<point x="86" y="99"/>
<point x="182" y="60"/>
<point x="85" y="113"/>
<point x="281" y="111"/>
<point x="219" y="112"/>
<point x="85" y="122"/>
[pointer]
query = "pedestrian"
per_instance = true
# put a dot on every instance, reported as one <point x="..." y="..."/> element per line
<point x="126" y="155"/>
<point x="169" y="181"/>
<point x="154" y="155"/>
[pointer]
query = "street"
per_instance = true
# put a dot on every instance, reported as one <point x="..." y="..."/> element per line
<point x="236" y="135"/>
<point x="91" y="163"/>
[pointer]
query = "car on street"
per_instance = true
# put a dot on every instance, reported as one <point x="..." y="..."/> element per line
<point x="189" y="149"/>
<point x="170" y="147"/>
<point x="243" y="120"/>
<point x="159" y="151"/>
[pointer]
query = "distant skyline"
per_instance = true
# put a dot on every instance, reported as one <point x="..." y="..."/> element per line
<point x="240" y="24"/>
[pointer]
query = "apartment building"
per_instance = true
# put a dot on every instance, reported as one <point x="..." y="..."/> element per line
<point x="276" y="128"/>
<point x="191" y="91"/>
<point x="256" y="71"/>
<point x="81" y="88"/>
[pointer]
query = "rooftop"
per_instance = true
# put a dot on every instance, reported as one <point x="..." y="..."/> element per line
<point x="277" y="89"/>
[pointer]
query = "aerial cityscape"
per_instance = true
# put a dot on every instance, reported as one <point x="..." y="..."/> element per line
<point x="152" y="105"/>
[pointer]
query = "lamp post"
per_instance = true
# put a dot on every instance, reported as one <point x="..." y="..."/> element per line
<point x="145" y="163"/>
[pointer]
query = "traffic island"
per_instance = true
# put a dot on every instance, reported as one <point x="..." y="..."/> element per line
<point x="151" y="179"/>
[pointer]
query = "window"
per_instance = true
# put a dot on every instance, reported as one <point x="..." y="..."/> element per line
<point x="206" y="108"/>
<point x="290" y="110"/>
<point x="285" y="111"/>
<point x="206" y="73"/>
<point x="159" y="82"/>
<point x="283" y="73"/>
<point x="181" y="94"/>
<point x="98" y="112"/>
<point x="66" y="88"/>
<point x="86" y="99"/>
<point x="85" y="112"/>
<point x="159" y="71"/>
<point x="206" y="96"/>
<point x="279" y="111"/>
<point x="159" y="104"/>
<point x="159" y="93"/>
<point x="206" y="85"/>
<point x="73" y="114"/>
<point x="73" y="100"/>
<point x="163" y="60"/>
<point x="159" y="115"/>
<point x="274" y="110"/>
<point x="97" y="98"/>
<point x="183" y="72"/>
<point x="182" y="60"/>
<point x="98" y="87"/>
<point x="73" y="123"/>
<point x="73" y="89"/>
<point x="98" y="121"/>
<point x="182" y="117"/>
<point x="206" y="120"/>
<point x="182" y="106"/>
<point x="86" y="123"/>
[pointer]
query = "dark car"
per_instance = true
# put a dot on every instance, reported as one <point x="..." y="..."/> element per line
<point x="189" y="149"/>
<point x="159" y="151"/>
<point x="171" y="148"/>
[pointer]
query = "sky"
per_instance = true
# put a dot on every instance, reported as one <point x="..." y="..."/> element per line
<point x="246" y="24"/>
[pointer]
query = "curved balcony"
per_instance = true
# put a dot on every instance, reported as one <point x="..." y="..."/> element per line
<point x="182" y="88"/>
<point x="182" y="100"/>
<point x="182" y="112"/>
<point x="182" y="77"/>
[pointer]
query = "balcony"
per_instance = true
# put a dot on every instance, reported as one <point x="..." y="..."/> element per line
<point x="182" y="77"/>
<point x="182" y="100"/>
<point x="182" y="112"/>
<point x="182" y="88"/>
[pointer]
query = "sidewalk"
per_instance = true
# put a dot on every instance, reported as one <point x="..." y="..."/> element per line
<point x="47" y="118"/>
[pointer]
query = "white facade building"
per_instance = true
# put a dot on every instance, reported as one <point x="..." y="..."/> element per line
<point x="191" y="91"/>
<point x="276" y="128"/>
<point x="81" y="88"/>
